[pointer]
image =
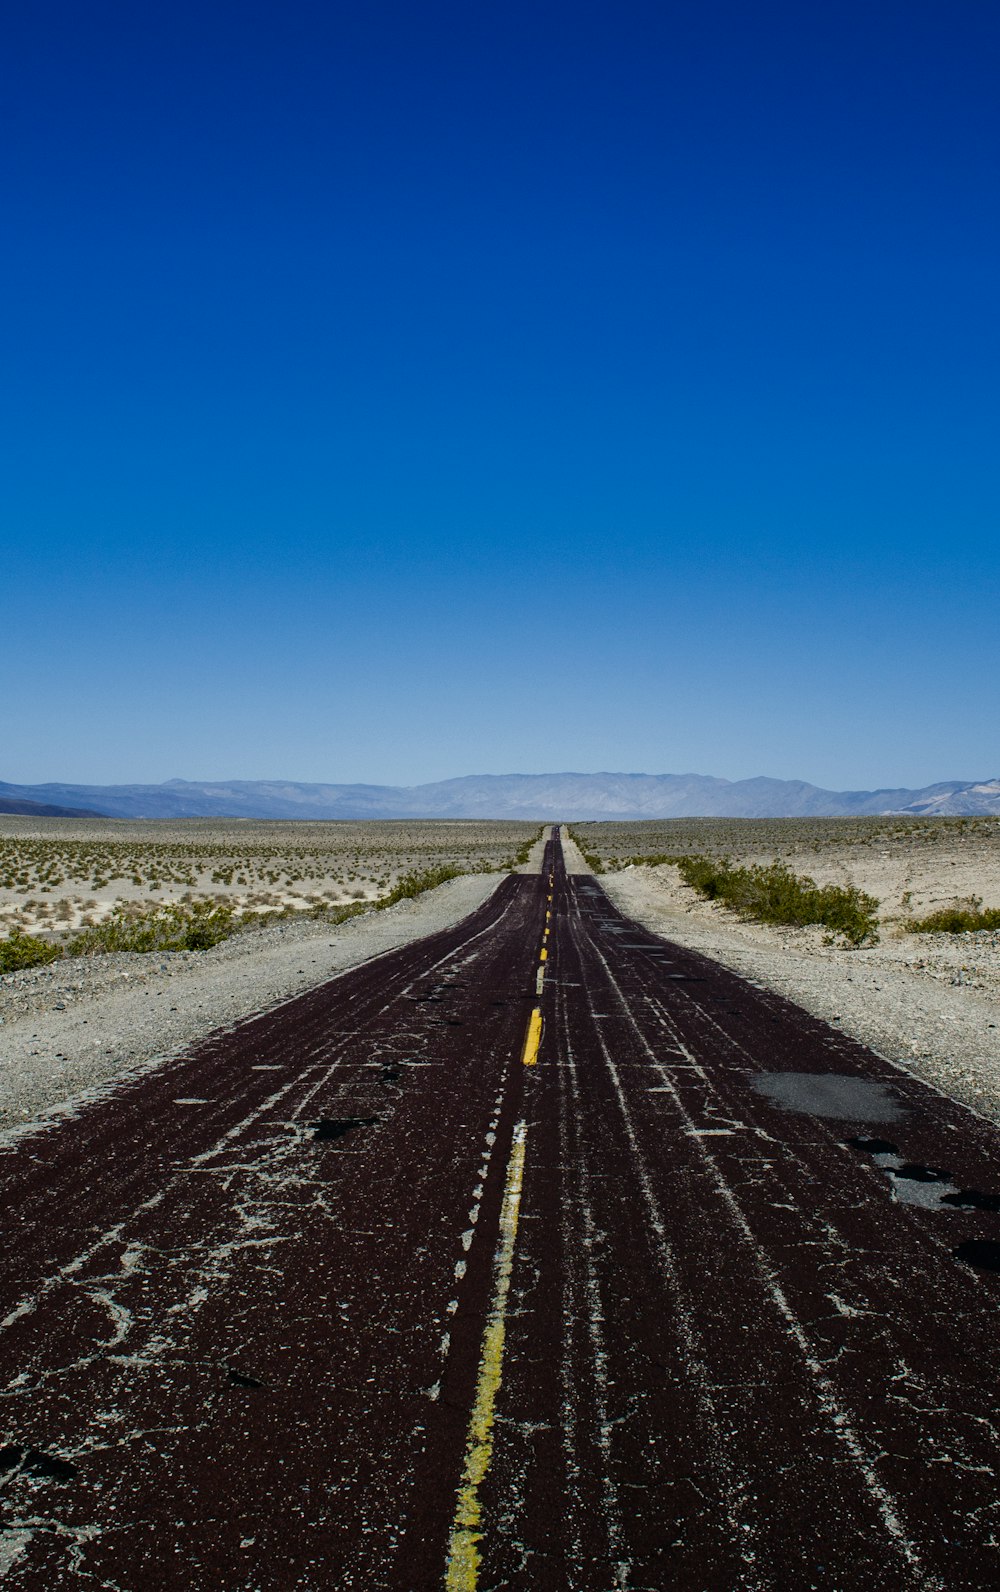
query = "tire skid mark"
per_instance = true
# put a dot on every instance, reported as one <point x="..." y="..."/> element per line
<point x="785" y="1154"/>
<point x="825" y="1392"/>
<point x="580" y="1213"/>
<point x="729" y="1489"/>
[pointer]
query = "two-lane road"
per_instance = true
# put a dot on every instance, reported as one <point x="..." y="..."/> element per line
<point x="540" y="1254"/>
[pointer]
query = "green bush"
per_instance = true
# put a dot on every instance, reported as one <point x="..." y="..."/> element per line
<point x="774" y="894"/>
<point x="517" y="861"/>
<point x="618" y="863"/>
<point x="956" y="920"/>
<point x="178" y="927"/>
<point x="414" y="884"/>
<point x="24" y="950"/>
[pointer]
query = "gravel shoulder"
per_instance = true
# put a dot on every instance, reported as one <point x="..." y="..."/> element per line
<point x="77" y="1025"/>
<point x="929" y="1003"/>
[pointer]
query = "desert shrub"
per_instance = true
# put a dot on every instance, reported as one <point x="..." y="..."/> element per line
<point x="618" y="863"/>
<point x="965" y="918"/>
<point x="517" y="861"/>
<point x="178" y="927"/>
<point x="774" y="894"/>
<point x="24" y="950"/>
<point x="414" y="884"/>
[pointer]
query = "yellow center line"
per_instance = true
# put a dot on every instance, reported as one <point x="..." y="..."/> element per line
<point x="532" y="1038"/>
<point x="544" y="956"/>
<point x="462" y="1574"/>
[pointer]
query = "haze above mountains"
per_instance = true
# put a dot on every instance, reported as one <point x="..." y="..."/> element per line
<point x="537" y="797"/>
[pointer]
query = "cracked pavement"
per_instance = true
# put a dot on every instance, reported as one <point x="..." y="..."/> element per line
<point x="748" y="1339"/>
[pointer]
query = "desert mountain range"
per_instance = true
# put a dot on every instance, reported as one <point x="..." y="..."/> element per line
<point x="538" y="797"/>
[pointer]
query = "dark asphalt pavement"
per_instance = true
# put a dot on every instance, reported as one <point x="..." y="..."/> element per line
<point x="365" y="1293"/>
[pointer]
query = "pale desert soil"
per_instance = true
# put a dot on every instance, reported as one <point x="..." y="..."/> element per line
<point x="76" y="1025"/>
<point x="59" y="875"/>
<point x="930" y="1003"/>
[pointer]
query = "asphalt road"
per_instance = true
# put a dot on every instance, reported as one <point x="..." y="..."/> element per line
<point x="539" y="1254"/>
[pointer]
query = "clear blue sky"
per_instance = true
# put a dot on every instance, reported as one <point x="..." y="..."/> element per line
<point x="395" y="391"/>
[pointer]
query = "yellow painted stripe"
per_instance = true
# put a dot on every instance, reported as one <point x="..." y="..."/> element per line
<point x="544" y="955"/>
<point x="533" y="1037"/>
<point x="548" y="914"/>
<point x="462" y="1574"/>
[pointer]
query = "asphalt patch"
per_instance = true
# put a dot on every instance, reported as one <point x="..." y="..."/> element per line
<point x="830" y="1094"/>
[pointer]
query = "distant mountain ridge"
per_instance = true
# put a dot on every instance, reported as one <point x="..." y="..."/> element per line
<point x="537" y="797"/>
<point x="25" y="809"/>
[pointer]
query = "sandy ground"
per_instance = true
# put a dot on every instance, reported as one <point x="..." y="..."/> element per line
<point x="930" y="1003"/>
<point x="78" y="1024"/>
<point x="60" y="875"/>
<point x="909" y="881"/>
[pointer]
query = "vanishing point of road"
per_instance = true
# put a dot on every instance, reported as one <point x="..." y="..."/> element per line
<point x="538" y="1254"/>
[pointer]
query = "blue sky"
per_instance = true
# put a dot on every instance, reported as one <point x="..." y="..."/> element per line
<point x="394" y="392"/>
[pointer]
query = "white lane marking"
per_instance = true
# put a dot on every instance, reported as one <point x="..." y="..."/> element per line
<point x="462" y="1574"/>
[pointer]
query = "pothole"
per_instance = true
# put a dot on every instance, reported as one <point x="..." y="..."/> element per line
<point x="983" y="1253"/>
<point x="338" y="1127"/>
<point x="240" y="1379"/>
<point x="34" y="1462"/>
<point x="915" y="1184"/>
